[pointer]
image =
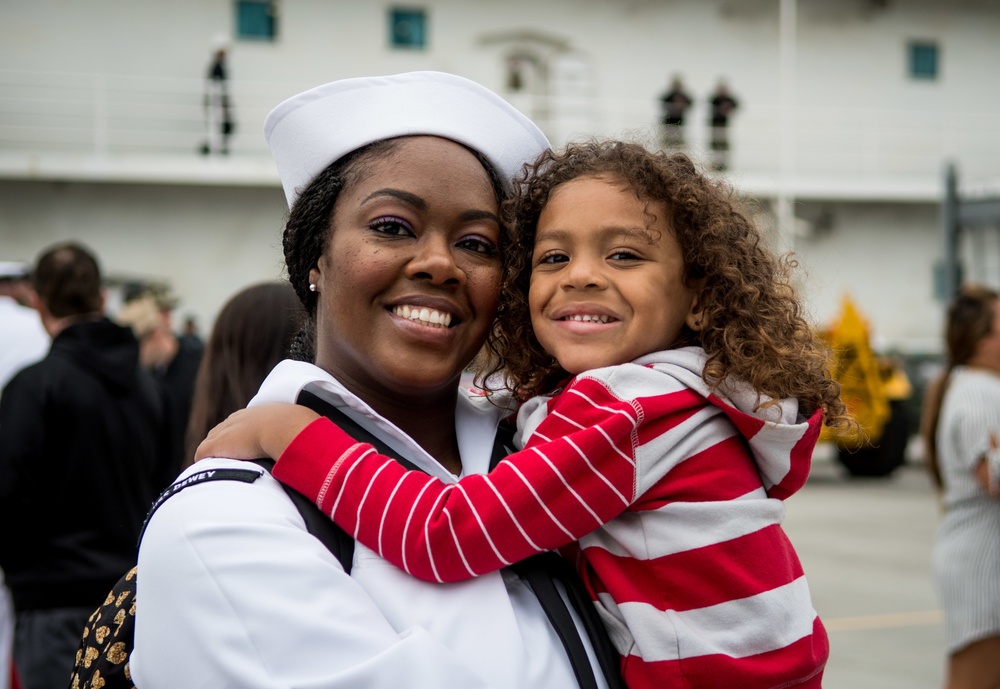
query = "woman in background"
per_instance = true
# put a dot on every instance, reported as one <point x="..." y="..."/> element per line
<point x="961" y="432"/>
<point x="252" y="333"/>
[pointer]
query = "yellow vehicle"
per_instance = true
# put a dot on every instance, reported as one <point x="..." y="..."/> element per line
<point x="875" y="390"/>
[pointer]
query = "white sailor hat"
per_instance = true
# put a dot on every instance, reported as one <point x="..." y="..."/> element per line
<point x="308" y="132"/>
<point x="14" y="270"/>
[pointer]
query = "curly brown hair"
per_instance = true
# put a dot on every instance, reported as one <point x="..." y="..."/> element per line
<point x="752" y="326"/>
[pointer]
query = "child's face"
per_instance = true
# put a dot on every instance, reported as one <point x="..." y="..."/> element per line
<point x="606" y="281"/>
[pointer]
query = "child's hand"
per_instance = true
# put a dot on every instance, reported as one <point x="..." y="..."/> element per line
<point x="261" y="431"/>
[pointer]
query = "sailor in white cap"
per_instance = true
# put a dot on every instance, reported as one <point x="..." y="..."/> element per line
<point x="394" y="245"/>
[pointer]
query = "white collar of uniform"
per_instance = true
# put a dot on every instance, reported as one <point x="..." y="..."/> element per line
<point x="475" y="418"/>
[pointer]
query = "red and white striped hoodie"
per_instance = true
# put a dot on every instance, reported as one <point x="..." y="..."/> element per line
<point x="668" y="497"/>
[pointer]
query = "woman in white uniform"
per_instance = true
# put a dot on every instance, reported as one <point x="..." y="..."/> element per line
<point x="962" y="436"/>
<point x="393" y="244"/>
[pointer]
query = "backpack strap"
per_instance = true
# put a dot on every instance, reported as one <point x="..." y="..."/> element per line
<point x="541" y="571"/>
<point x="337" y="541"/>
<point x="244" y="475"/>
<point x="317" y="523"/>
<point x="308" y="398"/>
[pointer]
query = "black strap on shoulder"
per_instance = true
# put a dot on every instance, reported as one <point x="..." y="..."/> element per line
<point x="318" y="524"/>
<point x="536" y="570"/>
<point x="607" y="657"/>
<point x="307" y="398"/>
<point x="337" y="541"/>
<point x="244" y="475"/>
<point x="503" y="443"/>
<point x="541" y="571"/>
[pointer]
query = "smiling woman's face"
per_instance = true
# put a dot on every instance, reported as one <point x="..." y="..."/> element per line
<point x="407" y="286"/>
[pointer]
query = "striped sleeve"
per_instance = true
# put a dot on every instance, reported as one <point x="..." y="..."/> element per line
<point x="576" y="474"/>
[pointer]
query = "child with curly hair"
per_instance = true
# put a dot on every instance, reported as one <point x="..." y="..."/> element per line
<point x="671" y="396"/>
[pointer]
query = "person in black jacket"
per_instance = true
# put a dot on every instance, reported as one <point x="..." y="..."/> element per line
<point x="83" y="443"/>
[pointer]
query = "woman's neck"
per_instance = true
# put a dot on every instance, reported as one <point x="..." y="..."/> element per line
<point x="992" y="370"/>
<point x="984" y="364"/>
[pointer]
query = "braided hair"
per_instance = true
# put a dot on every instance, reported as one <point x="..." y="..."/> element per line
<point x="307" y="232"/>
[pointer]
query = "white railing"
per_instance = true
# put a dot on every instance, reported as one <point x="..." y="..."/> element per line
<point x="103" y="114"/>
<point x="865" y="142"/>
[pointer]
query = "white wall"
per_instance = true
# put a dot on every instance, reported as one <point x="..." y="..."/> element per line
<point x="206" y="242"/>
<point x="882" y="256"/>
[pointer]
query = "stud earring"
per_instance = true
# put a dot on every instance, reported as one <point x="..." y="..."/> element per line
<point x="312" y="286"/>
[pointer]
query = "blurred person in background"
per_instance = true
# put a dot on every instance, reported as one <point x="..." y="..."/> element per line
<point x="218" y="109"/>
<point x="172" y="360"/>
<point x="961" y="431"/>
<point x="252" y="333"/>
<point x="674" y="104"/>
<point x="722" y="105"/>
<point x="189" y="332"/>
<point x="23" y="341"/>
<point x="82" y="434"/>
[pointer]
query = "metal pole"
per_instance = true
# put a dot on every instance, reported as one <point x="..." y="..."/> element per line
<point x="786" y="74"/>
<point x="949" y="221"/>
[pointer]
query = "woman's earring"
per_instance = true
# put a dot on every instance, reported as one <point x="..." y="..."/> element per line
<point x="312" y="286"/>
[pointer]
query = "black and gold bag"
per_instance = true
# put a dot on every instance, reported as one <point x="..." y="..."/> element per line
<point x="102" y="659"/>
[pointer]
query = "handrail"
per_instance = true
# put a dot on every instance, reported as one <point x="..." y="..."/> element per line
<point x="98" y="115"/>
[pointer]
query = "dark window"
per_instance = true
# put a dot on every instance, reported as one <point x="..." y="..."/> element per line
<point x="407" y="28"/>
<point x="923" y="60"/>
<point x="256" y="20"/>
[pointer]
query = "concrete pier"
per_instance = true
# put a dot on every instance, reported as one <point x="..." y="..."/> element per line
<point x="866" y="548"/>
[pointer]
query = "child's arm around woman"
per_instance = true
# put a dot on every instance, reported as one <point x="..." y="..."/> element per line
<point x="601" y="445"/>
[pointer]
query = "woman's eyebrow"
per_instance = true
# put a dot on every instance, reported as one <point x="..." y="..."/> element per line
<point x="479" y="215"/>
<point x="404" y="196"/>
<point x="420" y="204"/>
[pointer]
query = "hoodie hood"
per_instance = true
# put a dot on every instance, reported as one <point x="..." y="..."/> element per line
<point x="106" y="349"/>
<point x="780" y="438"/>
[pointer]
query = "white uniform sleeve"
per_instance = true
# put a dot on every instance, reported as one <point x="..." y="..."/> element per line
<point x="234" y="592"/>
